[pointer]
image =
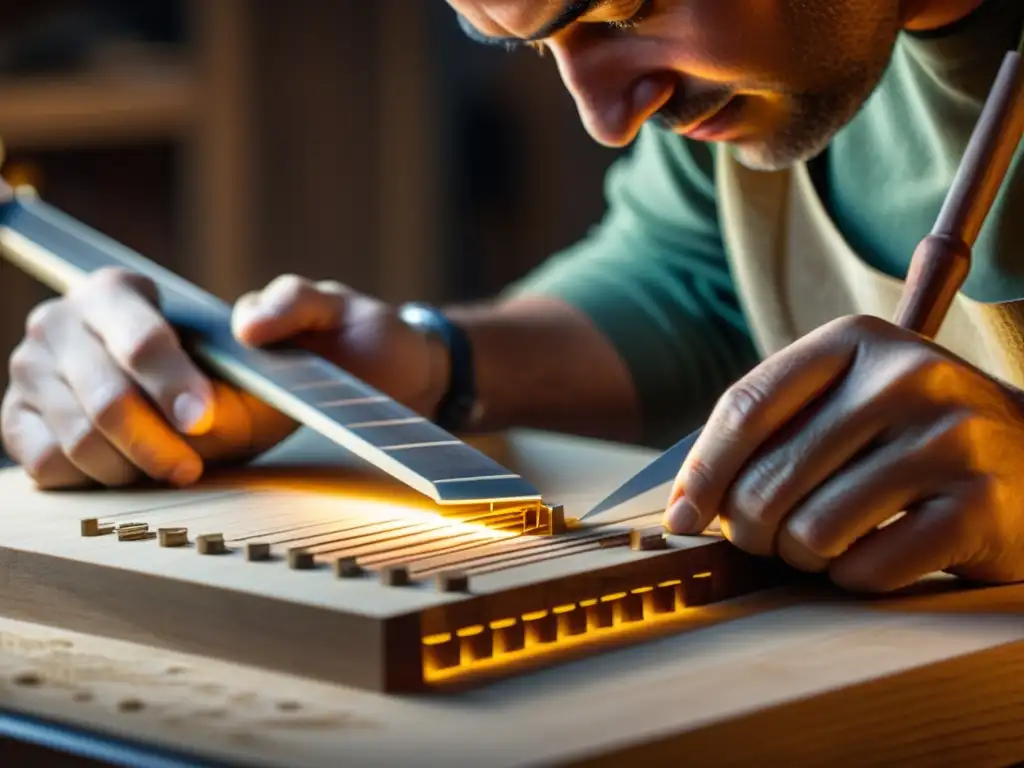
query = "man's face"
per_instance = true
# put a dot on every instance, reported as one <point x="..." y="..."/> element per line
<point x="774" y="78"/>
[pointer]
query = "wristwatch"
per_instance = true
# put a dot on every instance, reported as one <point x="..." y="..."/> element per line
<point x="459" y="402"/>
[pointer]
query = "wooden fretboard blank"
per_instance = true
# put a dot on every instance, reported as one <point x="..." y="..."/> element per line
<point x="59" y="251"/>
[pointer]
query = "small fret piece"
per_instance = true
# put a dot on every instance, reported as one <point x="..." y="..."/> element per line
<point x="647" y="539"/>
<point x="348" y="568"/>
<point x="91" y="527"/>
<point x="556" y="520"/>
<point x="134" y="532"/>
<point x="300" y="559"/>
<point x="211" y="544"/>
<point x="173" y="537"/>
<point x="257" y="551"/>
<point x="395" y="576"/>
<point x="452" y="581"/>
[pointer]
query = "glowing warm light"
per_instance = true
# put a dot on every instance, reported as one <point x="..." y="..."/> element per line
<point x="650" y="610"/>
<point x="437" y="639"/>
<point x="567" y="639"/>
<point x="309" y="511"/>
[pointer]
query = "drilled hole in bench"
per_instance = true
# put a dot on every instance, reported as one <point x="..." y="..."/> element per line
<point x="28" y="679"/>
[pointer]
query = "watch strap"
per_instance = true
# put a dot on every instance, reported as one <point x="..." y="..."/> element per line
<point x="459" y="400"/>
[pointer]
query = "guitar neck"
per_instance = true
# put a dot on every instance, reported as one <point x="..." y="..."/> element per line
<point x="59" y="251"/>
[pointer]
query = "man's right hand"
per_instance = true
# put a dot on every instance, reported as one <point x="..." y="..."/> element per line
<point x="102" y="391"/>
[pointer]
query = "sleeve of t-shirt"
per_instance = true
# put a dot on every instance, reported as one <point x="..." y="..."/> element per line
<point x="653" y="277"/>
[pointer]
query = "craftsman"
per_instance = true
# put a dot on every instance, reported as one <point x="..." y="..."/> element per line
<point x="788" y="157"/>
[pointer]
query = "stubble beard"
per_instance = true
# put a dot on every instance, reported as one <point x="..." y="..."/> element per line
<point x="813" y="121"/>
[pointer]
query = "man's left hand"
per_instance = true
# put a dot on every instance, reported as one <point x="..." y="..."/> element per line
<point x="868" y="452"/>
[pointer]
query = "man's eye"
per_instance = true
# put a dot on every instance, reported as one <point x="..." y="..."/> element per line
<point x="624" y="14"/>
<point x="616" y="15"/>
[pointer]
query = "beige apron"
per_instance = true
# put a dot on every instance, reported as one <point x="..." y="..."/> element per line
<point x="794" y="271"/>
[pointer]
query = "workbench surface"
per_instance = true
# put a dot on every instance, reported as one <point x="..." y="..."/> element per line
<point x="802" y="675"/>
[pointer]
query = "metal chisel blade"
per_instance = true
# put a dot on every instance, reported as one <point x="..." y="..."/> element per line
<point x="660" y="471"/>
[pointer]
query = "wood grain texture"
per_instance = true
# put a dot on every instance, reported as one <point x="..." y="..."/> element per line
<point x="292" y="612"/>
<point x="813" y="679"/>
<point x="798" y="676"/>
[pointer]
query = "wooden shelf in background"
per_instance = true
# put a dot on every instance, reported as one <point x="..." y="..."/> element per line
<point x="92" y="108"/>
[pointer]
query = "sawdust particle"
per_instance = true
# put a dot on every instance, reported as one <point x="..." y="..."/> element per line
<point x="289" y="706"/>
<point x="82" y="697"/>
<point x="28" y="679"/>
<point x="131" y="705"/>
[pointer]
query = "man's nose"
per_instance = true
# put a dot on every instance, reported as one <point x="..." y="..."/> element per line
<point x="613" y="100"/>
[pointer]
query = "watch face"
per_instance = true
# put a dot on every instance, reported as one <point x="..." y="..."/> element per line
<point x="415" y="315"/>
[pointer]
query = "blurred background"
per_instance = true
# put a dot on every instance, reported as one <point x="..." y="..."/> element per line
<point x="234" y="140"/>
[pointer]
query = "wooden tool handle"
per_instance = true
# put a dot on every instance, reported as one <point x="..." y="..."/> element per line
<point x="942" y="260"/>
<point x="938" y="269"/>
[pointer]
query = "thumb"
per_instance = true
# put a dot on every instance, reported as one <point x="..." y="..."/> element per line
<point x="682" y="516"/>
<point x="287" y="307"/>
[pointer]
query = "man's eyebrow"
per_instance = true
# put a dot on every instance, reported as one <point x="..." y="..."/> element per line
<point x="574" y="10"/>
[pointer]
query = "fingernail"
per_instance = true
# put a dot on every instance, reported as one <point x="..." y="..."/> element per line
<point x="259" y="313"/>
<point x="681" y="516"/>
<point x="191" y="413"/>
<point x="246" y="325"/>
<point x="187" y="472"/>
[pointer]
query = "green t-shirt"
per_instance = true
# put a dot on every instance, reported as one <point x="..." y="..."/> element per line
<point x="653" y="274"/>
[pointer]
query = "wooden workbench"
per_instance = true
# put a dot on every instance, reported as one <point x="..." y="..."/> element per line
<point x="798" y="676"/>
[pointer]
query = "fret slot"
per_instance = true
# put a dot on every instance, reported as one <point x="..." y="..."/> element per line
<point x="397" y="433"/>
<point x="446" y="462"/>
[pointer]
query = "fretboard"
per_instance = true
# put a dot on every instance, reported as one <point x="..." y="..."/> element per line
<point x="59" y="251"/>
